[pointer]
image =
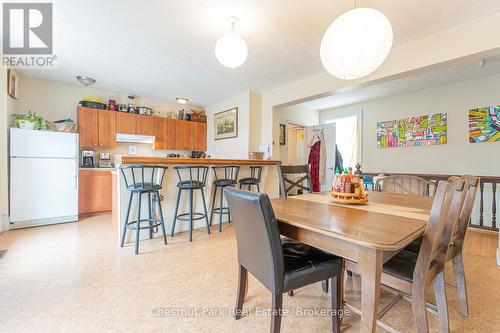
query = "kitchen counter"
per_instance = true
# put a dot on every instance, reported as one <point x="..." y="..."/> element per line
<point x="269" y="185"/>
<point x="96" y="169"/>
<point x="194" y="161"/>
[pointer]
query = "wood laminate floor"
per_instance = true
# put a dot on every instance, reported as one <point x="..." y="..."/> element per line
<point x="75" y="278"/>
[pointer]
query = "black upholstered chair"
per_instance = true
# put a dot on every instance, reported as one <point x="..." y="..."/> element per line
<point x="281" y="265"/>
<point x="141" y="180"/>
<point x="191" y="178"/>
<point x="224" y="176"/>
<point x="253" y="180"/>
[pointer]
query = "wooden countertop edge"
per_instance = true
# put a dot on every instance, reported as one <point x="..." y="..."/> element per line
<point x="194" y="161"/>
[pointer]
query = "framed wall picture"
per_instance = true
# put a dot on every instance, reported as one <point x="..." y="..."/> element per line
<point x="226" y="124"/>
<point x="282" y="134"/>
<point x="12" y="83"/>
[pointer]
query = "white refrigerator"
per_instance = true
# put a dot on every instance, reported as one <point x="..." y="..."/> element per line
<point x="43" y="177"/>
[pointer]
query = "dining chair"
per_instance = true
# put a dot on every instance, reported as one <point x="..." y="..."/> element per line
<point x="281" y="265"/>
<point x="403" y="184"/>
<point x="293" y="176"/>
<point x="408" y="272"/>
<point x="457" y="240"/>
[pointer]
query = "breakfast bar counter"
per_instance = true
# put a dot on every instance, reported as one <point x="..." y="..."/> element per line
<point x="269" y="184"/>
<point x="194" y="161"/>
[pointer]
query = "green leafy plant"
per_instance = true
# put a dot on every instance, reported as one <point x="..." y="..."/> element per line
<point x="37" y="121"/>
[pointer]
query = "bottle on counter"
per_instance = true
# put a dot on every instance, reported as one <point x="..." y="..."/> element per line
<point x="353" y="181"/>
<point x="336" y="181"/>
<point x="347" y="182"/>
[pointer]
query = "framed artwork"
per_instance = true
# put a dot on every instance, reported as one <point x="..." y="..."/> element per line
<point x="484" y="124"/>
<point x="12" y="83"/>
<point x="282" y="134"/>
<point x="413" y="132"/>
<point x="226" y="124"/>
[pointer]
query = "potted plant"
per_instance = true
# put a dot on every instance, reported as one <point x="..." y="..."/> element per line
<point x="29" y="121"/>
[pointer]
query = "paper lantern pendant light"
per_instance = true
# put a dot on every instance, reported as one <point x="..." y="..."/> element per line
<point x="231" y="50"/>
<point x="356" y="43"/>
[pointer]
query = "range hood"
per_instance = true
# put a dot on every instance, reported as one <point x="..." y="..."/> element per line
<point x="134" y="138"/>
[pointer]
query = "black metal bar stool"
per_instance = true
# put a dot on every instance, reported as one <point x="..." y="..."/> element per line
<point x="191" y="178"/>
<point x="253" y="180"/>
<point x="224" y="176"/>
<point x="139" y="180"/>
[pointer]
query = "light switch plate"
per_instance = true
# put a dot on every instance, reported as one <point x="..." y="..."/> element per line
<point x="132" y="149"/>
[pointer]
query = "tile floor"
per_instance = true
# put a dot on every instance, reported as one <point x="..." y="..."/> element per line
<point x="75" y="278"/>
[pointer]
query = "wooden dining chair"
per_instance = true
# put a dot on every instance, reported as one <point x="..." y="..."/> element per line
<point x="403" y="184"/>
<point x="457" y="240"/>
<point x="293" y="176"/>
<point x="280" y="264"/>
<point x="408" y="272"/>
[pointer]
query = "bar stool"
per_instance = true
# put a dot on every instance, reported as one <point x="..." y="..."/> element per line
<point x="253" y="180"/>
<point x="191" y="178"/>
<point x="224" y="176"/>
<point x="139" y="180"/>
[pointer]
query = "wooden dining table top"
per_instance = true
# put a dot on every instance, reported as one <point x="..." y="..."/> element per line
<point x="387" y="222"/>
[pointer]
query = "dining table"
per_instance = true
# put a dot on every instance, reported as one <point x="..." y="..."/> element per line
<point x="369" y="234"/>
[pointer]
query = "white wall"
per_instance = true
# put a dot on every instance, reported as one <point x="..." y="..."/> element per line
<point x="473" y="39"/>
<point x="458" y="156"/>
<point x="56" y="100"/>
<point x="249" y="106"/>
<point x="298" y="115"/>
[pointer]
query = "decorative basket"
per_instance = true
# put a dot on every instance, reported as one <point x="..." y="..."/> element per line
<point x="348" y="198"/>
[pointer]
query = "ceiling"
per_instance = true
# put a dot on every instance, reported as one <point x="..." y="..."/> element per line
<point x="164" y="48"/>
<point x="448" y="74"/>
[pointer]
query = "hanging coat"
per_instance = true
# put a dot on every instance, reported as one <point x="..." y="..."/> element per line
<point x="322" y="159"/>
<point x="314" y="158"/>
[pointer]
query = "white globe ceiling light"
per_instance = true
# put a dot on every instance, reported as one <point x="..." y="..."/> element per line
<point x="231" y="50"/>
<point x="356" y="43"/>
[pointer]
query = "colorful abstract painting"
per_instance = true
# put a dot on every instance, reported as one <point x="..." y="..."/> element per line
<point x="412" y="132"/>
<point x="484" y="124"/>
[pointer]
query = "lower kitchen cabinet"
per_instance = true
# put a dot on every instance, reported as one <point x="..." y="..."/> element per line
<point x="94" y="192"/>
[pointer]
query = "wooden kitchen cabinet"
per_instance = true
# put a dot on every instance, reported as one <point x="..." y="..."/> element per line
<point x="96" y="128"/>
<point x="165" y="133"/>
<point x="198" y="136"/>
<point x="107" y="129"/>
<point x="183" y="130"/>
<point x="145" y="125"/>
<point x="94" y="192"/>
<point x="125" y="123"/>
<point x="174" y="134"/>
<point x="88" y="127"/>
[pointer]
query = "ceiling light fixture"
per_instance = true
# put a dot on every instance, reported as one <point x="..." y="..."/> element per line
<point x="356" y="43"/>
<point x="85" y="80"/>
<point x="231" y="50"/>
<point x="181" y="100"/>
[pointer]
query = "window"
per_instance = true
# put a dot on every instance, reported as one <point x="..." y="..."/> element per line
<point x="347" y="136"/>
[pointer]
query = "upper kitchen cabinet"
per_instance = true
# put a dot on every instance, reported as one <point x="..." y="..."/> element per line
<point x="88" y="127"/>
<point x="198" y="136"/>
<point x="96" y="128"/>
<point x="145" y="125"/>
<point x="107" y="129"/>
<point x="174" y="134"/>
<point x="183" y="133"/>
<point x="125" y="123"/>
<point x="165" y="133"/>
